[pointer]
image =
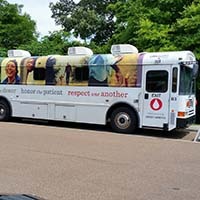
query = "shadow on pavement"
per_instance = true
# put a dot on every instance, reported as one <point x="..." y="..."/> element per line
<point x="185" y="134"/>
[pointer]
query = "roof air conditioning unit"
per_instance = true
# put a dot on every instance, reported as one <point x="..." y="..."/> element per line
<point x="18" y="53"/>
<point x="72" y="51"/>
<point x="118" y="49"/>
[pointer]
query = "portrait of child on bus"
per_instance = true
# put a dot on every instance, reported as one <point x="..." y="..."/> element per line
<point x="128" y="67"/>
<point x="11" y="70"/>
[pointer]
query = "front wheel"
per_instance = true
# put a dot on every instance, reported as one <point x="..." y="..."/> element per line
<point x="4" y="111"/>
<point x="123" y="120"/>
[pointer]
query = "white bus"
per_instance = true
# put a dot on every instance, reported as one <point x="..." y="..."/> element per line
<point x="125" y="88"/>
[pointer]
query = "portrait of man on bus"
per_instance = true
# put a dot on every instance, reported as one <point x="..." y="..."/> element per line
<point x="27" y="67"/>
<point x="62" y="77"/>
<point x="11" y="70"/>
<point x="71" y="70"/>
<point x="50" y="71"/>
<point x="68" y="71"/>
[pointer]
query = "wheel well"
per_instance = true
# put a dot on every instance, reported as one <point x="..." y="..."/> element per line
<point x="112" y="108"/>
<point x="8" y="103"/>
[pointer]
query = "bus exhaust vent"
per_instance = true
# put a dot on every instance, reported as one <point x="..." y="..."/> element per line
<point x="118" y="49"/>
<point x="18" y="53"/>
<point x="72" y="51"/>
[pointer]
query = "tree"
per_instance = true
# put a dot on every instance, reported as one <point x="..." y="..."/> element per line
<point x="150" y="25"/>
<point x="187" y="29"/>
<point x="88" y="19"/>
<point x="57" y="42"/>
<point x="15" y="28"/>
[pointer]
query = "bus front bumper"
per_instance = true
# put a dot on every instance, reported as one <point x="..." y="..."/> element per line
<point x="184" y="123"/>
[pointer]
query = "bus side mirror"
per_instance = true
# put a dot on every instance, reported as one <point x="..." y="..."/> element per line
<point x="195" y="70"/>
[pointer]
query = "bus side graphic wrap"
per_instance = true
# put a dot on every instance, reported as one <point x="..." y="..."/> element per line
<point x="98" y="70"/>
<point x="139" y="69"/>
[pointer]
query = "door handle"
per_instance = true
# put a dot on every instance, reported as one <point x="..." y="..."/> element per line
<point x="146" y="96"/>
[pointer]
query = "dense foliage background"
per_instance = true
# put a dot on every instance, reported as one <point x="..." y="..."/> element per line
<point x="150" y="25"/>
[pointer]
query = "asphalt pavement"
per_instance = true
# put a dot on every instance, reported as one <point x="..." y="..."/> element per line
<point x="70" y="163"/>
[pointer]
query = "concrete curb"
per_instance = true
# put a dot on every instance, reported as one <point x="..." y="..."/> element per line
<point x="194" y="128"/>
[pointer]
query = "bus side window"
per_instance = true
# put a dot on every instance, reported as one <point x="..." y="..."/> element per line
<point x="157" y="81"/>
<point x="174" y="79"/>
<point x="39" y="73"/>
<point x="81" y="73"/>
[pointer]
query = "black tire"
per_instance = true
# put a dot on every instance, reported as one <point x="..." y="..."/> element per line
<point x="4" y="111"/>
<point x="123" y="120"/>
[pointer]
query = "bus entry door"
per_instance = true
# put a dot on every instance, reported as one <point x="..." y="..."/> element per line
<point x="156" y="97"/>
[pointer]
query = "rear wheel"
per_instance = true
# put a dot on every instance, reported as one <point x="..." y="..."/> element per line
<point x="4" y="111"/>
<point x="123" y="120"/>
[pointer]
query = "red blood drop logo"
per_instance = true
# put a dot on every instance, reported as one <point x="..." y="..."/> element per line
<point x="156" y="104"/>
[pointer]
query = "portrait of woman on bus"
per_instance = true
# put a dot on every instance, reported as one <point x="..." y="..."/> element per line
<point x="100" y="67"/>
<point x="11" y="70"/>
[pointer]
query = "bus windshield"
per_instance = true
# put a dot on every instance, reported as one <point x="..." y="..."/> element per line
<point x="186" y="81"/>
